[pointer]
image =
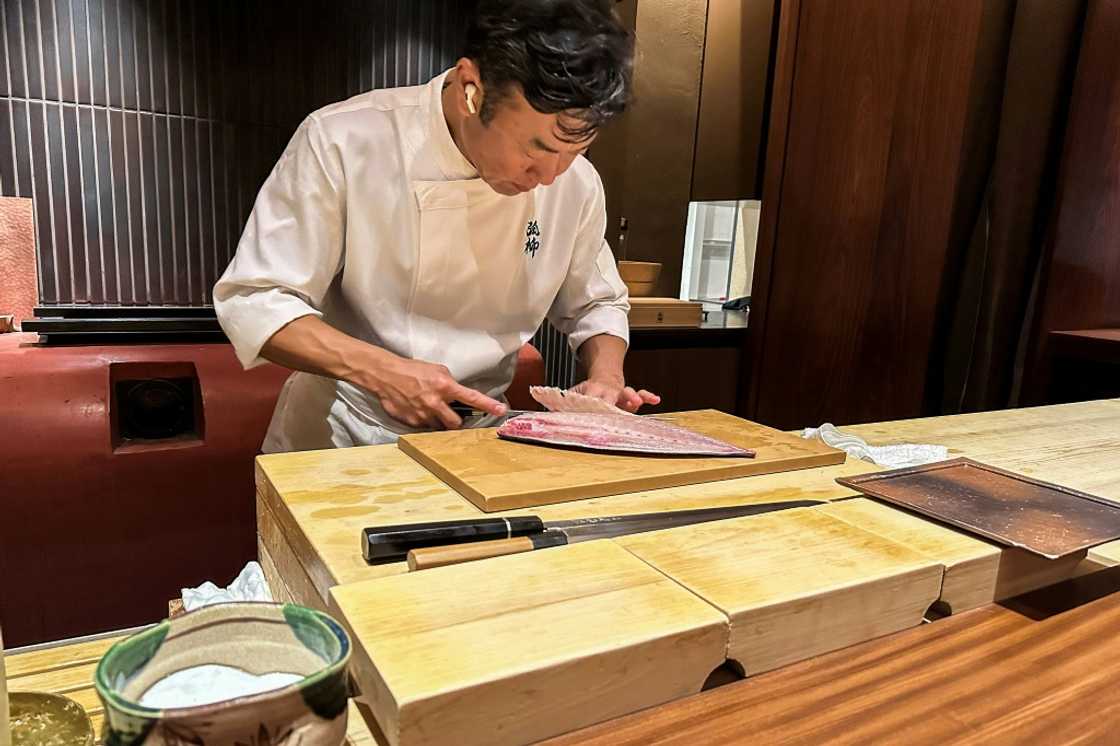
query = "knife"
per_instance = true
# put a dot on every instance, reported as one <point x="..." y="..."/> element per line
<point x="465" y="411"/>
<point x="394" y="543"/>
<point x="559" y="533"/>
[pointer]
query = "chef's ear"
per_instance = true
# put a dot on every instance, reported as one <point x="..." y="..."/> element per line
<point x="471" y="89"/>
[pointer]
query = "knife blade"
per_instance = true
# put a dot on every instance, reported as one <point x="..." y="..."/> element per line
<point x="559" y="533"/>
<point x="393" y="543"/>
<point x="466" y="411"/>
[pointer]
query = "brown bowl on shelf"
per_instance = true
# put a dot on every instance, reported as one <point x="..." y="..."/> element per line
<point x="640" y="277"/>
<point x="640" y="289"/>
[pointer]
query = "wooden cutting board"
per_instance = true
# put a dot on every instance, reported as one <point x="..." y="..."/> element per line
<point x="520" y="648"/>
<point x="497" y="474"/>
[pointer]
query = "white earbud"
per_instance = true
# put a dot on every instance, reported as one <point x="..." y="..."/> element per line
<point x="471" y="89"/>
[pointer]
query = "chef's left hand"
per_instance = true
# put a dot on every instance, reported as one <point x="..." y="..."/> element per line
<point x="616" y="392"/>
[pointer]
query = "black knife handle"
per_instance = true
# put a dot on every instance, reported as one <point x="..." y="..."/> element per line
<point x="393" y="543"/>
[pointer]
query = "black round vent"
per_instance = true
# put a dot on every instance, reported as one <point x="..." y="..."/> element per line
<point x="157" y="408"/>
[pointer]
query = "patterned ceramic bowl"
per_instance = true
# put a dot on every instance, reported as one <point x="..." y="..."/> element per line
<point x="257" y="638"/>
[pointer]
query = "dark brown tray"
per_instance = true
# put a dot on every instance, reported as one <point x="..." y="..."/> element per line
<point x="1017" y="511"/>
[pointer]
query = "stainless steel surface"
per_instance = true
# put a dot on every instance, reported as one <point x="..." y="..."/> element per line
<point x="606" y="527"/>
<point x="466" y="412"/>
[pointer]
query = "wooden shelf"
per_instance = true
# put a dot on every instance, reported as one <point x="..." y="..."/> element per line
<point x="1101" y="345"/>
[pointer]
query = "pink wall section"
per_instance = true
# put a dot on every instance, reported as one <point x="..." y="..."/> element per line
<point x="18" y="290"/>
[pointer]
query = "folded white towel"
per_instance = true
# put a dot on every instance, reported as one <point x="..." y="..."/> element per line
<point x="249" y="585"/>
<point x="892" y="457"/>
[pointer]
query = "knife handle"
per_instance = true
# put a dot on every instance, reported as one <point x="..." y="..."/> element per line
<point x="429" y="557"/>
<point x="393" y="543"/>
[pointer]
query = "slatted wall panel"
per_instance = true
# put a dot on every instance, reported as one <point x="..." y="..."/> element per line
<point x="559" y="362"/>
<point x="143" y="129"/>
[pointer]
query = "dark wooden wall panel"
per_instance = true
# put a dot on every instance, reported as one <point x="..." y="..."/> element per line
<point x="143" y="129"/>
<point x="730" y="131"/>
<point x="858" y="225"/>
<point x="1080" y="287"/>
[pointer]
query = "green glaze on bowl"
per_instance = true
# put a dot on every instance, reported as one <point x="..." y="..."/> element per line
<point x="255" y="637"/>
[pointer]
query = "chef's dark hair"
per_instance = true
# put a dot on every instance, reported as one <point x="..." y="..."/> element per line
<point x="571" y="56"/>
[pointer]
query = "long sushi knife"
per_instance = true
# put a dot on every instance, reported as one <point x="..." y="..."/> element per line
<point x="451" y="542"/>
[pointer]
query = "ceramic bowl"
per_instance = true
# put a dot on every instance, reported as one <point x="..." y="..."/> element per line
<point x="256" y="637"/>
<point x="48" y="720"/>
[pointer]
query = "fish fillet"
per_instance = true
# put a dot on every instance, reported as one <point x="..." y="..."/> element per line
<point x="559" y="400"/>
<point x="614" y="432"/>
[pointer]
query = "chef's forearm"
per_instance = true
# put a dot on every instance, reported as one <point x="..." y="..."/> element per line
<point x="311" y="345"/>
<point x="411" y="391"/>
<point x="602" y="356"/>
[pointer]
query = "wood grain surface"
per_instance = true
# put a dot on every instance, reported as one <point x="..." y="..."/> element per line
<point x="796" y="583"/>
<point x="1074" y="445"/>
<point x="975" y="572"/>
<point x="867" y="162"/>
<point x="1080" y="282"/>
<point x="319" y="501"/>
<point x="526" y="646"/>
<point x="1044" y="668"/>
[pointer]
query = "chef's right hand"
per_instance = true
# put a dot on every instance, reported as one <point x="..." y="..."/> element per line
<point x="417" y="393"/>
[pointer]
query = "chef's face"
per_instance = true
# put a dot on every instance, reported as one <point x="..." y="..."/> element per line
<point x="520" y="148"/>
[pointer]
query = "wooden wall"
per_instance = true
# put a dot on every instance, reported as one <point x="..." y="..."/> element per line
<point x="1080" y="287"/>
<point x="877" y="106"/>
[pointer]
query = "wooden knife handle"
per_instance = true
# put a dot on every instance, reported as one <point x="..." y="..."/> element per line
<point x="429" y="557"/>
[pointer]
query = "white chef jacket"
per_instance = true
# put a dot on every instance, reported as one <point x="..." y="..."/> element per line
<point x="373" y="220"/>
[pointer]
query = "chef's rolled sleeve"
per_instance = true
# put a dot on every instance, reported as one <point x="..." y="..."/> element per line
<point x="592" y="299"/>
<point x="291" y="249"/>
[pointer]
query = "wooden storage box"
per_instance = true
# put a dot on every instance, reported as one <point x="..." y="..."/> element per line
<point x="669" y="312"/>
<point x="520" y="648"/>
<point x="976" y="572"/>
<point x="794" y="584"/>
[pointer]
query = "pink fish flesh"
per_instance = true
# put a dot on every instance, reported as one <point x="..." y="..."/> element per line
<point x="559" y="400"/>
<point x="614" y="432"/>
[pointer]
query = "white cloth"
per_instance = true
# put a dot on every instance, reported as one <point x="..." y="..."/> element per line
<point x="892" y="457"/>
<point x="249" y="585"/>
<point x="211" y="682"/>
<point x="373" y="220"/>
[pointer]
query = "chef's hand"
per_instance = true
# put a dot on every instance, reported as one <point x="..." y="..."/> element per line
<point x="417" y="393"/>
<point x="616" y="392"/>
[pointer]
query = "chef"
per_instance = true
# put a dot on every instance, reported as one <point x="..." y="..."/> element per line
<point x="409" y="241"/>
